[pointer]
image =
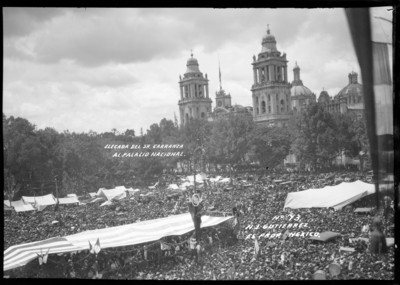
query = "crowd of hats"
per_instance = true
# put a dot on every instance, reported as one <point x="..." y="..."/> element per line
<point x="223" y="254"/>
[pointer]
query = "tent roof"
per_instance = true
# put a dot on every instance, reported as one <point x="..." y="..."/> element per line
<point x="45" y="200"/>
<point x="20" y="206"/>
<point x="116" y="193"/>
<point x="125" y="235"/>
<point x="336" y="196"/>
<point x="68" y="200"/>
<point x="363" y="210"/>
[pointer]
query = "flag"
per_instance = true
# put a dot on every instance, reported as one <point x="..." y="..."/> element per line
<point x="372" y="38"/>
<point x="35" y="205"/>
<point x="124" y="235"/>
<point x="220" y="81"/>
<point x="256" y="247"/>
<point x="235" y="222"/>
<point x="285" y="235"/>
<point x="164" y="246"/>
<point x="43" y="257"/>
<point x="96" y="248"/>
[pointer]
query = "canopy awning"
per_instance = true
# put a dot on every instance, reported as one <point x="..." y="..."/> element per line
<point x="336" y="197"/>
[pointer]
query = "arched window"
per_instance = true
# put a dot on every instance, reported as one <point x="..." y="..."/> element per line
<point x="269" y="109"/>
<point x="263" y="106"/>
<point x="282" y="106"/>
<point x="202" y="115"/>
<point x="187" y="117"/>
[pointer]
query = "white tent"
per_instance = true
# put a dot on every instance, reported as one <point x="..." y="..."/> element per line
<point x="173" y="187"/>
<point x="20" y="206"/>
<point x="336" y="196"/>
<point x="132" y="191"/>
<point x="106" y="203"/>
<point x="69" y="200"/>
<point x="216" y="179"/>
<point x="120" y="188"/>
<point x="199" y="178"/>
<point x="225" y="180"/>
<point x="7" y="205"/>
<point x="116" y="194"/>
<point x="186" y="184"/>
<point x="154" y="186"/>
<point x="41" y="201"/>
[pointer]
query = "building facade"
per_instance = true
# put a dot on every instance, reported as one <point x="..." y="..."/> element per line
<point x="270" y="89"/>
<point x="195" y="102"/>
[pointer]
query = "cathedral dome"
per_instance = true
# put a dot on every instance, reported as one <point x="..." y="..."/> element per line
<point x="353" y="87"/>
<point x="323" y="97"/>
<point x="297" y="85"/>
<point x="192" y="65"/>
<point x="269" y="38"/>
<point x="353" y="90"/>
<point x="268" y="43"/>
<point x="300" y="90"/>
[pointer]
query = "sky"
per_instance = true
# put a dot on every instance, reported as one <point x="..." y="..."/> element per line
<point x="98" y="69"/>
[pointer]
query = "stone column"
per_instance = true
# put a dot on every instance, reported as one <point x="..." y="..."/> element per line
<point x="254" y="105"/>
<point x="265" y="73"/>
<point x="286" y="78"/>
<point x="207" y="90"/>
<point x="273" y="104"/>
<point x="255" y="75"/>
<point x="272" y="72"/>
<point x="181" y="88"/>
<point x="260" y="105"/>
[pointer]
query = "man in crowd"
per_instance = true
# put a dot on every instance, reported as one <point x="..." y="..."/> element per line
<point x="195" y="205"/>
<point x="377" y="238"/>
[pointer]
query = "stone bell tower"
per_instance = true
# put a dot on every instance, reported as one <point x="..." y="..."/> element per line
<point x="271" y="89"/>
<point x="195" y="102"/>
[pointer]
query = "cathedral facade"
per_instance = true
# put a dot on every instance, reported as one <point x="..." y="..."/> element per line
<point x="274" y="99"/>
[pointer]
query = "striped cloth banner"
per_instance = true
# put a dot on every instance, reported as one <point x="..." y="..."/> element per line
<point x="125" y="235"/>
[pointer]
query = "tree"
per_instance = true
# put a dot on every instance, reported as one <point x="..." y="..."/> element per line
<point x="352" y="137"/>
<point x="153" y="134"/>
<point x="270" y="144"/>
<point x="230" y="139"/>
<point x="315" y="141"/>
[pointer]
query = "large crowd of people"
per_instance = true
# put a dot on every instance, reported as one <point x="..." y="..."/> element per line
<point x="230" y="250"/>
